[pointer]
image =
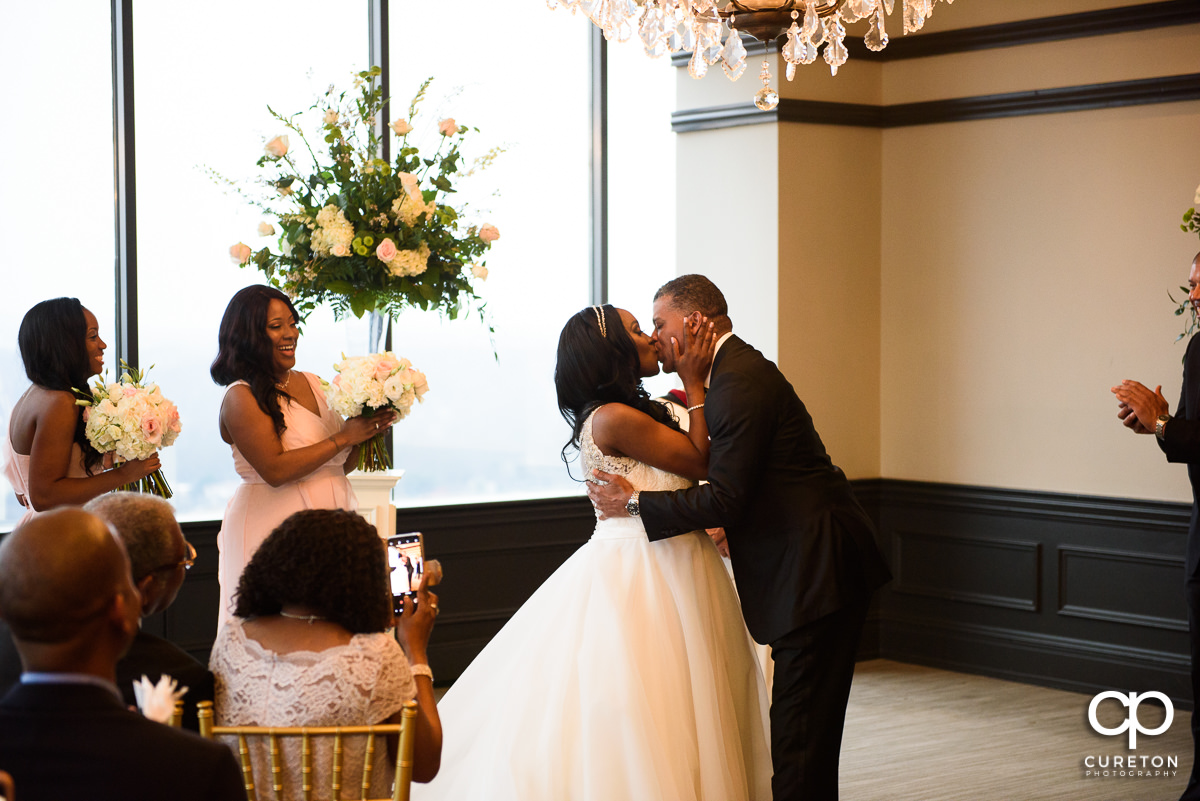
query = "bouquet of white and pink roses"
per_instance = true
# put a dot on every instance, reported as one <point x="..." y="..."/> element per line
<point x="367" y="384"/>
<point x="133" y="421"/>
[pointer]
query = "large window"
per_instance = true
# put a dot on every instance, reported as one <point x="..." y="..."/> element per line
<point x="490" y="427"/>
<point x="56" y="196"/>
<point x="641" y="182"/>
<point x="201" y="102"/>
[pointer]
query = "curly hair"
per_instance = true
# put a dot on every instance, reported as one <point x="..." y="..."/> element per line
<point x="689" y="293"/>
<point x="597" y="367"/>
<point x="53" y="344"/>
<point x="244" y="352"/>
<point x="329" y="560"/>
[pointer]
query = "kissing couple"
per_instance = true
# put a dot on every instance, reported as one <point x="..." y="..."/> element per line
<point x="629" y="673"/>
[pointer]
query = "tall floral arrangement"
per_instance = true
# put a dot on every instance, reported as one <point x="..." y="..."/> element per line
<point x="358" y="232"/>
<point x="1185" y="309"/>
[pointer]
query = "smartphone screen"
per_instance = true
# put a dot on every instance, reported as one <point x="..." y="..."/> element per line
<point x="406" y="558"/>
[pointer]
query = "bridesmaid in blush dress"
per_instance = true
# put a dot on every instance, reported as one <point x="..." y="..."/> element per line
<point x="49" y="461"/>
<point x="290" y="449"/>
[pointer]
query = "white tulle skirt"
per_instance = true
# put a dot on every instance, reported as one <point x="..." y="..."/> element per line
<point x="628" y="675"/>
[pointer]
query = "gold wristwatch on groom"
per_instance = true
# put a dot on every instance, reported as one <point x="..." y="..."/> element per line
<point x="1160" y="426"/>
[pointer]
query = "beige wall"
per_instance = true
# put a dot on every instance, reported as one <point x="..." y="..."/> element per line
<point x="954" y="301"/>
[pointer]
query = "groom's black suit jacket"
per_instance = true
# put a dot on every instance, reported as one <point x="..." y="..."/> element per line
<point x="800" y="544"/>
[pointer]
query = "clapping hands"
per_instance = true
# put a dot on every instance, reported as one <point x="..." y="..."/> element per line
<point x="1138" y="407"/>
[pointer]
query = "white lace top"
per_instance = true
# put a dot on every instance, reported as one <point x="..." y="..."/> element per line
<point x="361" y="683"/>
<point x="641" y="475"/>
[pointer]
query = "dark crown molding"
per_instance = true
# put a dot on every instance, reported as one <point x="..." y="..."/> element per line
<point x="1171" y="89"/>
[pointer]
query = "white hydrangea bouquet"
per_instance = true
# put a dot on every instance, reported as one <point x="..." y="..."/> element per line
<point x="359" y="233"/>
<point x="366" y="384"/>
<point x="132" y="420"/>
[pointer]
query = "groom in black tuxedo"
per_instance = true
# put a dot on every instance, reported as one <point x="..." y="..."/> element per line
<point x="803" y="550"/>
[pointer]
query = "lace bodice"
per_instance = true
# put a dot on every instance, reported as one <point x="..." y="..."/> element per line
<point x="364" y="682"/>
<point x="642" y="476"/>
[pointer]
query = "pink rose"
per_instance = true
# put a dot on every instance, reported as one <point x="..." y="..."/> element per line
<point x="340" y="250"/>
<point x="240" y="253"/>
<point x="86" y="413"/>
<point x="128" y="390"/>
<point x="277" y="147"/>
<point x="479" y="271"/>
<point x="401" y="127"/>
<point x="386" y="251"/>
<point x="489" y="233"/>
<point x="151" y="428"/>
<point x="448" y="127"/>
<point x="385" y="366"/>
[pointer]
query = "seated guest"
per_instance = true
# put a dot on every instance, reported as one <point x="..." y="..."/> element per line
<point x="309" y="646"/>
<point x="160" y="557"/>
<point x="68" y="597"/>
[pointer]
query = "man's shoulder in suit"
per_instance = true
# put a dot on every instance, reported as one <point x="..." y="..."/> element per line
<point x="72" y="740"/>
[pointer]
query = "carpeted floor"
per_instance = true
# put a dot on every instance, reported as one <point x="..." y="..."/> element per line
<point x="920" y="734"/>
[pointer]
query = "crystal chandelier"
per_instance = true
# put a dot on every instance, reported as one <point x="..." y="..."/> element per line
<point x="710" y="29"/>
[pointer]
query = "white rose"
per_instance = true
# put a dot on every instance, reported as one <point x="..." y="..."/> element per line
<point x="331" y="117"/>
<point x="394" y="387"/>
<point x="265" y="229"/>
<point x="277" y="147"/>
<point x="340" y="250"/>
<point x="401" y="127"/>
<point x="411" y="185"/>
<point x="479" y="271"/>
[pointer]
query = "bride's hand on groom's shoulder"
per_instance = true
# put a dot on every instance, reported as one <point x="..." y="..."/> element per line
<point x="610" y="498"/>
<point x="694" y="356"/>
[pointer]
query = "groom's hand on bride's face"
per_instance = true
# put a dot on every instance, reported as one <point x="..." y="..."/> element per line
<point x="609" y="499"/>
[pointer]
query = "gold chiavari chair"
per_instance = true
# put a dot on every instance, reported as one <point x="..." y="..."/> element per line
<point x="177" y="715"/>
<point x="406" y="729"/>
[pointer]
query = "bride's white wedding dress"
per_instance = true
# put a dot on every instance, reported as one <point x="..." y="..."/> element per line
<point x="628" y="675"/>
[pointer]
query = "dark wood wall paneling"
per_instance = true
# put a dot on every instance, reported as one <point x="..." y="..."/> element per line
<point x="1068" y="591"/>
<point x="1166" y="89"/>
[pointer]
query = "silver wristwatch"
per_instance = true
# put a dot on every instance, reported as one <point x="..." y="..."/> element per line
<point x="1160" y="425"/>
<point x="631" y="506"/>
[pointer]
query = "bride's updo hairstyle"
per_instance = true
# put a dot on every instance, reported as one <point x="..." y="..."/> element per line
<point x="329" y="560"/>
<point x="597" y="366"/>
<point x="53" y="344"/>
<point x="244" y="352"/>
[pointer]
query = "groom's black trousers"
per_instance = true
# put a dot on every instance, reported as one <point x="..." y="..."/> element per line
<point x="814" y="666"/>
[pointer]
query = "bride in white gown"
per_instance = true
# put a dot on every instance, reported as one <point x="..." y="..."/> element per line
<point x="629" y="674"/>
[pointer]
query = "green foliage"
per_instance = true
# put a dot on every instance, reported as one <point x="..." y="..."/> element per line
<point x="1184" y="308"/>
<point x="335" y="219"/>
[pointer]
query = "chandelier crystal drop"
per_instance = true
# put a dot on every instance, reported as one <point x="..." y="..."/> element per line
<point x="712" y="29"/>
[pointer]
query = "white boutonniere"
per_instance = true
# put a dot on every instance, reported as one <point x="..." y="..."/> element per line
<point x="157" y="701"/>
